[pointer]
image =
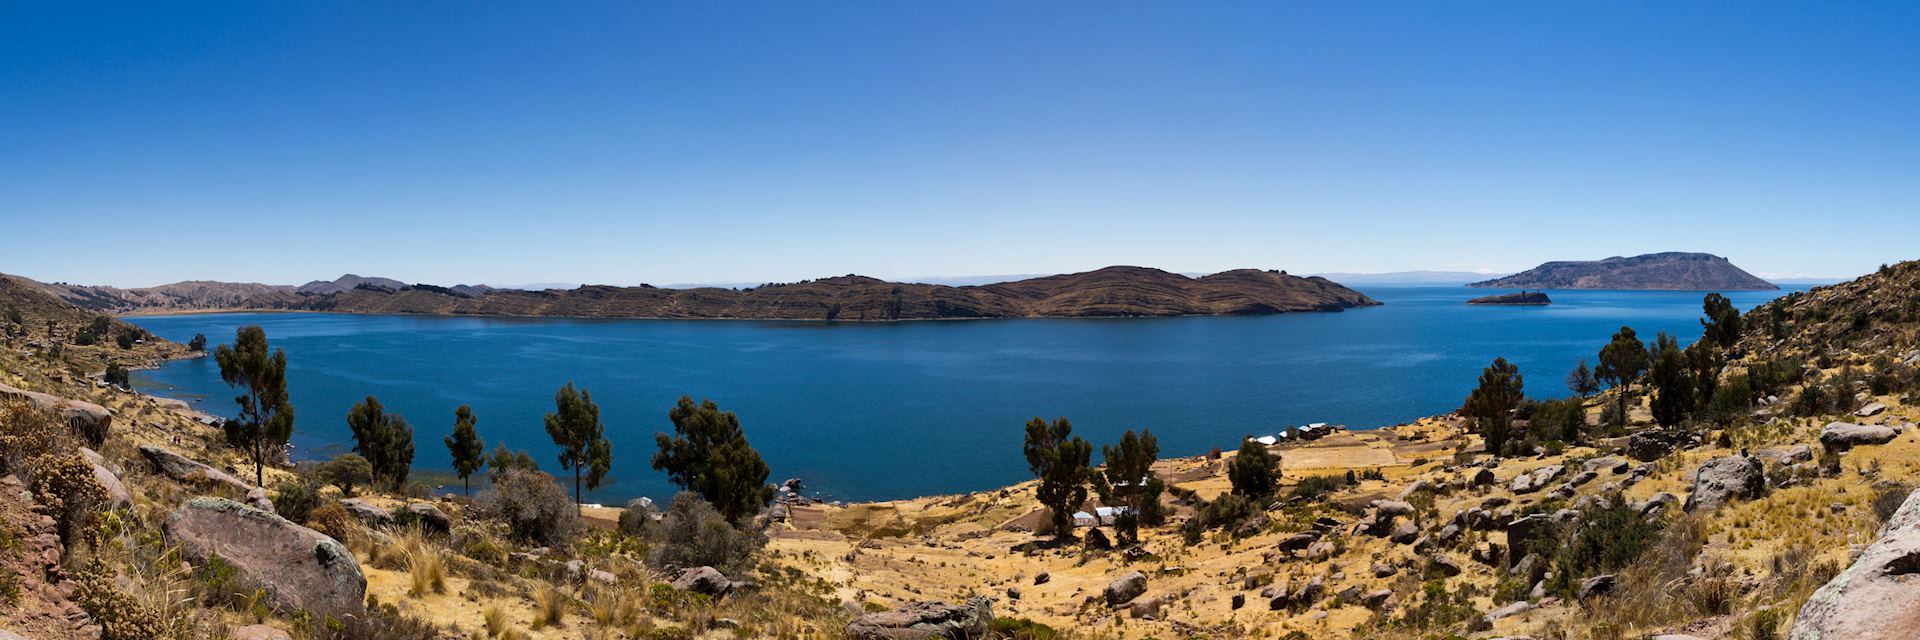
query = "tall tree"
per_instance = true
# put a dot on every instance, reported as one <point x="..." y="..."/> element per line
<point x="468" y="450"/>
<point x="1059" y="459"/>
<point x="1721" y="327"/>
<point x="575" y="426"/>
<point x="1581" y="380"/>
<point x="266" y="414"/>
<point x="384" y="439"/>
<point x="708" y="454"/>
<point x="198" y="343"/>
<point x="1491" y="404"/>
<point x="1622" y="359"/>
<point x="1128" y="481"/>
<point x="1671" y="381"/>
<point x="1254" y="472"/>
<point x="503" y="460"/>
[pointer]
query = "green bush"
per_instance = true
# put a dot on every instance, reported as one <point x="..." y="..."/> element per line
<point x="533" y="506"/>
<point x="296" y="499"/>
<point x="1317" y="487"/>
<point x="119" y="615"/>
<point x="694" y="534"/>
<point x="65" y="486"/>
<point x="1021" y="629"/>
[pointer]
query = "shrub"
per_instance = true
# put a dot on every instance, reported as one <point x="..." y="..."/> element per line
<point x="1887" y="500"/>
<point x="1021" y="629"/>
<point x="694" y="534"/>
<point x="334" y="520"/>
<point x="117" y="375"/>
<point x="347" y="471"/>
<point x="637" y="520"/>
<point x="27" y="431"/>
<point x="1317" y="487"/>
<point x="1254" y="472"/>
<point x="65" y="486"/>
<point x="296" y="499"/>
<point x="120" y="616"/>
<point x="533" y="506"/>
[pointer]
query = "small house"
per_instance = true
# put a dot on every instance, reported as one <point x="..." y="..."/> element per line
<point x="1084" y="519"/>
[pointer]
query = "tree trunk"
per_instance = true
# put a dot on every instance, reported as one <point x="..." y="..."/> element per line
<point x="576" y="485"/>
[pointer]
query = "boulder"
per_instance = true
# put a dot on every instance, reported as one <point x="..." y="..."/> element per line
<point x="1872" y="409"/>
<point x="1609" y="464"/>
<point x="702" y="580"/>
<point x="1483" y="477"/>
<point x="1390" y="508"/>
<point x="1405" y="532"/>
<point x="1320" y="550"/>
<point x="1510" y="610"/>
<point x="1383" y="570"/>
<point x="1311" y="592"/>
<point x="1536" y="479"/>
<point x="1298" y="541"/>
<point x="257" y="498"/>
<point x="430" y="517"/>
<point x="1657" y="503"/>
<point x="1722" y="480"/>
<point x="1597" y="586"/>
<point x="367" y="513"/>
<point x="299" y="568"/>
<point x="972" y="620"/>
<point x="1125" y="588"/>
<point x="1146" y="608"/>
<point x="1443" y="566"/>
<point x="187" y="470"/>
<point x="1875" y="597"/>
<point x="1417" y="487"/>
<point x="1520" y="530"/>
<point x="1376" y="599"/>
<point x="85" y="417"/>
<point x="117" y="495"/>
<point x="1798" y="454"/>
<point x="1841" y="436"/>
<point x="1649" y="445"/>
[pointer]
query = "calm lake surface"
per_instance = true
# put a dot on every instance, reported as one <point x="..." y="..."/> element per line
<point x="881" y="411"/>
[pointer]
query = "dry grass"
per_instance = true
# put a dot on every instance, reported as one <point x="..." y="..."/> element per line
<point x="550" y="606"/>
<point x="426" y="563"/>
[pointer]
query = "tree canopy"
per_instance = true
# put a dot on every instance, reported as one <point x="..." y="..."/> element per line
<point x="1623" y="359"/>
<point x="266" y="415"/>
<point x="708" y="454"/>
<point x="575" y="426"/>
<point x="385" y="440"/>
<point x="1722" y="325"/>
<point x="1491" y="404"/>
<point x="1059" y="459"/>
<point x="469" y="452"/>
<point x="1254" y="472"/>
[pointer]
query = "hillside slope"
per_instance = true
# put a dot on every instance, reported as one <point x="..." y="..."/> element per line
<point x="1109" y="292"/>
<point x="1660" y="271"/>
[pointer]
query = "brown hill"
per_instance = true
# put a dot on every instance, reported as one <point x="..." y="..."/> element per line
<point x="189" y="295"/>
<point x="1109" y="292"/>
<point x="1660" y="271"/>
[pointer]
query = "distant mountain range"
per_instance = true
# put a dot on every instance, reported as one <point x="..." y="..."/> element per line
<point x="1661" y="271"/>
<point x="1113" y="291"/>
<point x="1408" y="277"/>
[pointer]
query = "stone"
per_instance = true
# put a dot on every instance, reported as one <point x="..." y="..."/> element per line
<point x="702" y="580"/>
<point x="1597" y="586"/>
<point x="259" y="632"/>
<point x="1722" y="480"/>
<point x="1392" y="508"/>
<point x="1043" y="578"/>
<point x="1874" y="597"/>
<point x="1376" y="599"/>
<point x="971" y="620"/>
<point x="1239" y="600"/>
<point x="1310" y="592"/>
<point x="1841" y="436"/>
<point x="1799" y="453"/>
<point x="1444" y="566"/>
<point x="1298" y="541"/>
<point x="257" y="498"/>
<point x="117" y="495"/>
<point x="1609" y="464"/>
<point x="1583" y="478"/>
<point x="1648" y="445"/>
<point x="85" y="417"/>
<point x="1536" y="479"/>
<point x="1125" y="588"/>
<point x="1488" y="553"/>
<point x="371" y="515"/>
<point x="299" y="568"/>
<point x="1405" y="532"/>
<point x="187" y="470"/>
<point x="1384" y="570"/>
<point x="603" y="577"/>
<point x="1657" y="503"/>
<point x="1872" y="409"/>
<point x="430" y="517"/>
<point x="1320" y="550"/>
<point x="1483" y="477"/>
<point x="1510" y="610"/>
<point x="1417" y="487"/>
<point x="1146" y="608"/>
<point x="1521" y="530"/>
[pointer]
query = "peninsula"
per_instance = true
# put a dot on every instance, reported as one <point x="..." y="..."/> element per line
<point x="1671" y="271"/>
<point x="1110" y="292"/>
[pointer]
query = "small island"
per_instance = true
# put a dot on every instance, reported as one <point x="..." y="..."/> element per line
<point x="1522" y="298"/>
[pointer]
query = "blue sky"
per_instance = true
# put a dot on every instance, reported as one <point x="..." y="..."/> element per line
<point x="700" y="142"/>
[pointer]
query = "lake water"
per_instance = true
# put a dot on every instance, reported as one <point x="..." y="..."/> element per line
<point x="879" y="411"/>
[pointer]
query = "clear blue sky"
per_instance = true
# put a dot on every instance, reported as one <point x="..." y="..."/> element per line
<point x="696" y="142"/>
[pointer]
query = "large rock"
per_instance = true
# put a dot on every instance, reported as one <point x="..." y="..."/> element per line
<point x="1877" y="596"/>
<point x="924" y="620"/>
<point x="298" y="567"/>
<point x="1125" y="588"/>
<point x="368" y="514"/>
<point x="86" y="417"/>
<point x="1649" y="445"/>
<point x="117" y="495"/>
<point x="190" y="471"/>
<point x="703" y="580"/>
<point x="430" y="517"/>
<point x="1841" y="436"/>
<point x="1536" y="479"/>
<point x="1721" y="480"/>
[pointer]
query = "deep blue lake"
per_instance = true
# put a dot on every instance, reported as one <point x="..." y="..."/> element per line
<point x="880" y="411"/>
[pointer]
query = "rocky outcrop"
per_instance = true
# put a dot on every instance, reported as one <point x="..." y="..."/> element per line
<point x="430" y="517"/>
<point x="1875" y="598"/>
<point x="1536" y="479"/>
<point x="190" y="471"/>
<point x="972" y="620"/>
<point x="368" y="514"/>
<point x="117" y="495"/>
<point x="1722" y="480"/>
<point x="298" y="567"/>
<point x="85" y="417"/>
<point x="1841" y="436"/>
<point x="702" y="580"/>
<point x="1125" y="588"/>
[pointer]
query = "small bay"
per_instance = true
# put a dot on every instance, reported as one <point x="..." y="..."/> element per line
<point x="865" y="411"/>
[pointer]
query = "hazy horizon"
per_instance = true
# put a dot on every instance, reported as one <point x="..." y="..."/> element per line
<point x="766" y="142"/>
